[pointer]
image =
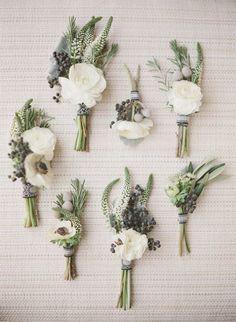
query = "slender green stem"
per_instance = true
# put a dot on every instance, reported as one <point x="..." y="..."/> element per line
<point x="31" y="212"/>
<point x="181" y="239"/>
<point x="185" y="238"/>
<point x="124" y="300"/>
<point x="182" y="149"/>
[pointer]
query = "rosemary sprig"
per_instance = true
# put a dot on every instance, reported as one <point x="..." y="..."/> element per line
<point x="162" y="79"/>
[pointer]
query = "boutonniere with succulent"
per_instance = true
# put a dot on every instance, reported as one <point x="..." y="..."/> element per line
<point x="185" y="189"/>
<point x="133" y="118"/>
<point x="77" y="71"/>
<point x="130" y="222"/>
<point x="182" y="82"/>
<point x="32" y="147"/>
<point x="67" y="232"/>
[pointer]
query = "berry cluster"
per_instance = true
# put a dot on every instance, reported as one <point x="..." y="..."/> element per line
<point x="153" y="244"/>
<point x="191" y="203"/>
<point x="63" y="63"/>
<point x="136" y="215"/>
<point x="19" y="151"/>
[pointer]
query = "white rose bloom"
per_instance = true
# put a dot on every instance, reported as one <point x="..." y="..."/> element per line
<point x="133" y="130"/>
<point x="41" y="141"/>
<point x="85" y="85"/>
<point x="63" y="230"/>
<point x="130" y="244"/>
<point x="38" y="171"/>
<point x="185" y="97"/>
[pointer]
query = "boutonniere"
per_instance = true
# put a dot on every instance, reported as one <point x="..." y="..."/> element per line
<point x="32" y="147"/>
<point x="183" y="86"/>
<point x="77" y="70"/>
<point x="185" y="189"/>
<point x="133" y="118"/>
<point x="67" y="232"/>
<point x="130" y="223"/>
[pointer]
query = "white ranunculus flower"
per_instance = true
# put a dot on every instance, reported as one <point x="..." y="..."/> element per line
<point x="41" y="141"/>
<point x="85" y="85"/>
<point x="63" y="230"/>
<point x="130" y="244"/>
<point x="185" y="97"/>
<point x="38" y="171"/>
<point x="133" y="130"/>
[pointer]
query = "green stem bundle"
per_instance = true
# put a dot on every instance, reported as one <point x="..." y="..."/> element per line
<point x="182" y="149"/>
<point x="183" y="239"/>
<point x="31" y="212"/>
<point x="124" y="300"/>
<point x="81" y="143"/>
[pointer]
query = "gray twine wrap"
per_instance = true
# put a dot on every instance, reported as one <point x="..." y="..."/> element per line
<point x="182" y="120"/>
<point x="69" y="251"/>
<point x="125" y="265"/>
<point x="134" y="95"/>
<point x="83" y="110"/>
<point x="182" y="219"/>
<point x="29" y="191"/>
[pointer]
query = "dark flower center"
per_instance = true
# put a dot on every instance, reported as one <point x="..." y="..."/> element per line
<point x="41" y="167"/>
<point x="62" y="231"/>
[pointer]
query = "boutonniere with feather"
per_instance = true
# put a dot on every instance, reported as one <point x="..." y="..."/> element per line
<point x="131" y="224"/>
<point x="185" y="189"/>
<point x="68" y="231"/>
<point x="32" y="147"/>
<point x="183" y="84"/>
<point x="77" y="71"/>
<point x="133" y="121"/>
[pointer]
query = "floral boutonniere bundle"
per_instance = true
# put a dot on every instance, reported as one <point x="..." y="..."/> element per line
<point x="77" y="69"/>
<point x="67" y="233"/>
<point x="130" y="222"/>
<point x="185" y="189"/>
<point x="32" y="146"/>
<point x="132" y="120"/>
<point x="183" y="86"/>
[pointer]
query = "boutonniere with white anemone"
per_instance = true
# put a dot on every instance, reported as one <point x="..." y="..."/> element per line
<point x="183" y="86"/>
<point x="32" y="147"/>
<point x="67" y="232"/>
<point x="130" y="222"/>
<point x="133" y="121"/>
<point x="77" y="71"/>
<point x="185" y="189"/>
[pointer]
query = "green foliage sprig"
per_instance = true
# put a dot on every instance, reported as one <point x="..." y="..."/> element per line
<point x="79" y="196"/>
<point x="186" y="187"/>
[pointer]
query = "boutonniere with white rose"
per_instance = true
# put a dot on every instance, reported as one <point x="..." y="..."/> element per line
<point x="183" y="86"/>
<point x="130" y="222"/>
<point x="185" y="189"/>
<point x="77" y="71"/>
<point x="133" y="118"/>
<point x="68" y="231"/>
<point x="32" y="147"/>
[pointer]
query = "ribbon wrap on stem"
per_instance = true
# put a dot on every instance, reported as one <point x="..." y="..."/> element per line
<point x="182" y="219"/>
<point x="81" y="143"/>
<point x="30" y="194"/>
<point x="70" y="271"/>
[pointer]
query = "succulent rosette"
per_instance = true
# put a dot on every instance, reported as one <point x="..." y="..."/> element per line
<point x="68" y="231"/>
<point x="183" y="86"/>
<point x="77" y="71"/>
<point x="133" y="122"/>
<point x="32" y="149"/>
<point x="185" y="189"/>
<point x="130" y="223"/>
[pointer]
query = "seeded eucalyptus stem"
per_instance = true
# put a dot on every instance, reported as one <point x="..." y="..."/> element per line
<point x="182" y="149"/>
<point x="81" y="143"/>
<point x="31" y="212"/>
<point x="124" y="300"/>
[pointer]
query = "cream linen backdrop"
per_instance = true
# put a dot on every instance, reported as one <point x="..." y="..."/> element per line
<point x="200" y="287"/>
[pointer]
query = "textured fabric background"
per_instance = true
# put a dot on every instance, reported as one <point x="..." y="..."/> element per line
<point x="200" y="287"/>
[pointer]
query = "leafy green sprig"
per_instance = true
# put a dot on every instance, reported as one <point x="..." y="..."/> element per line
<point x="79" y="196"/>
<point x="186" y="187"/>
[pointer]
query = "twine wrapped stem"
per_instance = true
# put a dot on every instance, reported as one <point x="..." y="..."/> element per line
<point x="70" y="271"/>
<point x="30" y="196"/>
<point x="82" y="137"/>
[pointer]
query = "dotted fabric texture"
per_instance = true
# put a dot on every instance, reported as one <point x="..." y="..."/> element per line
<point x="199" y="287"/>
